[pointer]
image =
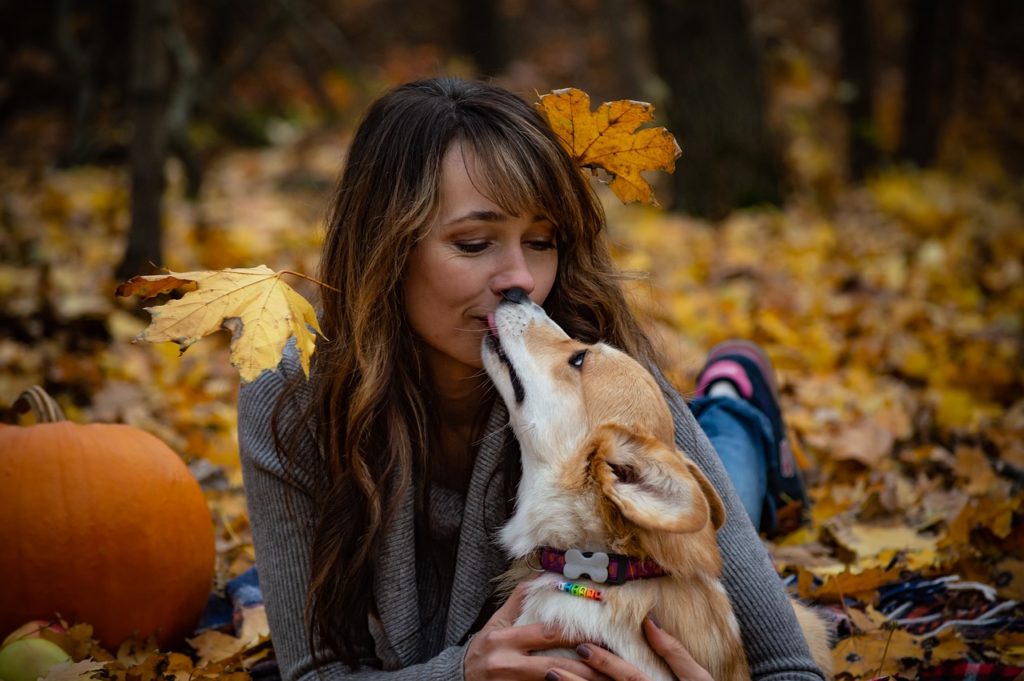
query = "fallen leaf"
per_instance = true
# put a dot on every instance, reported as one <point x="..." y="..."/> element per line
<point x="865" y="541"/>
<point x="608" y="139"/>
<point x="133" y="652"/>
<point x="862" y="585"/>
<point x="1010" y="647"/>
<point x="973" y="467"/>
<point x="73" y="671"/>
<point x="254" y="625"/>
<point x="864" y="441"/>
<point x="214" y="646"/>
<point x="1008" y="576"/>
<point x="948" y="646"/>
<point x="868" y="620"/>
<point x="877" y="653"/>
<point x="261" y="311"/>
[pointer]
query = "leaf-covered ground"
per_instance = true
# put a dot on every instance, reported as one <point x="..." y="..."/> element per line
<point x="893" y="313"/>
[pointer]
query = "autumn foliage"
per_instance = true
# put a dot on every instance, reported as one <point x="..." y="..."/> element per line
<point x="891" y="310"/>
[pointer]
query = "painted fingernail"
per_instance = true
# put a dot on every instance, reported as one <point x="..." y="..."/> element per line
<point x="552" y="676"/>
<point x="654" y="620"/>
<point x="584" y="651"/>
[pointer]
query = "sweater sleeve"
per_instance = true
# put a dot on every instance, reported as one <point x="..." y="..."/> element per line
<point x="772" y="638"/>
<point x="282" y="513"/>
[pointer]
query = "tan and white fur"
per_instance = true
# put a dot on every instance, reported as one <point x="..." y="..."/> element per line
<point x="601" y="473"/>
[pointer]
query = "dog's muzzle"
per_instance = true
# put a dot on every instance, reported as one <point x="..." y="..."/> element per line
<point x="493" y="341"/>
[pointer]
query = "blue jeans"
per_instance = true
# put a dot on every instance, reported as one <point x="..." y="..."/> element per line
<point x="742" y="436"/>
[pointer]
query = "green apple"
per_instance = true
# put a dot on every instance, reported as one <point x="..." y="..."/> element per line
<point x="29" y="658"/>
<point x="31" y="629"/>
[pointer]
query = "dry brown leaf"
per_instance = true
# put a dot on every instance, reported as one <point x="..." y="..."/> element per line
<point x="993" y="514"/>
<point x="1010" y="648"/>
<point x="608" y="139"/>
<point x="254" y="625"/>
<point x="133" y="652"/>
<point x="877" y="653"/>
<point x="73" y="671"/>
<point x="868" y="619"/>
<point x="261" y="311"/>
<point x="973" y="467"/>
<point x="214" y="646"/>
<point x="866" y="541"/>
<point x="862" y="585"/>
<point x="950" y="647"/>
<point x="865" y="441"/>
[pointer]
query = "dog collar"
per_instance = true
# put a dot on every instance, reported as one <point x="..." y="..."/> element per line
<point x="598" y="566"/>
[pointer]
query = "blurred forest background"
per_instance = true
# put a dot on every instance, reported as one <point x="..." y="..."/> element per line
<point x="849" y="195"/>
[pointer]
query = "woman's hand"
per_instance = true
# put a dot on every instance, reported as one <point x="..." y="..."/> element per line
<point x="502" y="651"/>
<point x="671" y="650"/>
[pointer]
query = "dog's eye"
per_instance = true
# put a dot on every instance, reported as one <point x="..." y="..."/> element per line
<point x="577" y="359"/>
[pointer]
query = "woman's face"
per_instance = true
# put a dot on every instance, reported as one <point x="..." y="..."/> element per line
<point x="473" y="252"/>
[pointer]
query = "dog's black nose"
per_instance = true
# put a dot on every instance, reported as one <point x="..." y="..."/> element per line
<point x="515" y="295"/>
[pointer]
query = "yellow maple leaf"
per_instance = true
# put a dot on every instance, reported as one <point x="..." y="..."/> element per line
<point x="608" y="139"/>
<point x="259" y="309"/>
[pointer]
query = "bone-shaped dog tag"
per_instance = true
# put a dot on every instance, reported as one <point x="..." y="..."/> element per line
<point x="594" y="565"/>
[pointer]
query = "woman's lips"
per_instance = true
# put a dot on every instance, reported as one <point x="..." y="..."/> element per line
<point x="491" y="325"/>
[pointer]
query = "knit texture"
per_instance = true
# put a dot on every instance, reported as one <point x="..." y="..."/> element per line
<point x="415" y="603"/>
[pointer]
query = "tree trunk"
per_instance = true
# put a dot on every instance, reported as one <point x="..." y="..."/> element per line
<point x="149" y="139"/>
<point x="706" y="55"/>
<point x="481" y="35"/>
<point x="928" y="94"/>
<point x="857" y="68"/>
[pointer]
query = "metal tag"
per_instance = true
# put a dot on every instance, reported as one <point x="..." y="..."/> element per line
<point x="594" y="564"/>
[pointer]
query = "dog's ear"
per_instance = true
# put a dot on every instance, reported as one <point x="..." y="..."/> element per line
<point x="715" y="504"/>
<point x="652" y="485"/>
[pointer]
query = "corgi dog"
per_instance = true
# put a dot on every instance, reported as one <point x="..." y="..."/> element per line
<point x="610" y="516"/>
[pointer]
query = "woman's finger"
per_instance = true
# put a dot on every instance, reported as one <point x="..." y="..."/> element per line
<point x="675" y="654"/>
<point x="607" y="663"/>
<point x="570" y="670"/>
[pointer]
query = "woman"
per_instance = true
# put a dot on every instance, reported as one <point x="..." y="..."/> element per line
<point x="375" y="488"/>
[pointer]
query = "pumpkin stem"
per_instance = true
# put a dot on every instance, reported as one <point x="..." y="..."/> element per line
<point x="37" y="400"/>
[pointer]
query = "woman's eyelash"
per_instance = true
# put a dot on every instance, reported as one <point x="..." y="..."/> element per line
<point x="479" y="246"/>
<point x="471" y="246"/>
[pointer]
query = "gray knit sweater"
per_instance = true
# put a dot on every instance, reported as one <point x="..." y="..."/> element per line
<point x="424" y="616"/>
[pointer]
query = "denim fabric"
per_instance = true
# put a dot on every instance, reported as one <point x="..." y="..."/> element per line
<point x="742" y="436"/>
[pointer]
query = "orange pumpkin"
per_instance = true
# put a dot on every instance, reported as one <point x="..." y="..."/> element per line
<point x="103" y="524"/>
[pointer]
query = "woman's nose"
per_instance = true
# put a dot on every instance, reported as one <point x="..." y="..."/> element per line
<point x="513" y="273"/>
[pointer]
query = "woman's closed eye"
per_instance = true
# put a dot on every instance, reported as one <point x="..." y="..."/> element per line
<point x="471" y="247"/>
<point x="542" y="244"/>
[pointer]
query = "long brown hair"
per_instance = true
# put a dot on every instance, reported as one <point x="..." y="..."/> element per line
<point x="372" y="414"/>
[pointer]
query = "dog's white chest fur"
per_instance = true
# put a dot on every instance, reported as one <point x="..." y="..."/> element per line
<point x="591" y="620"/>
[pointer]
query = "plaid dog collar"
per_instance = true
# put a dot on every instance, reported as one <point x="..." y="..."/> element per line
<point x="600" y="567"/>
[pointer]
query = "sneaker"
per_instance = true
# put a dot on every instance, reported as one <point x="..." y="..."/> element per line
<point x="748" y="369"/>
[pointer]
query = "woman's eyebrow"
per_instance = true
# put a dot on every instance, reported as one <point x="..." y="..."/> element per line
<point x="478" y="215"/>
<point x="487" y="216"/>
